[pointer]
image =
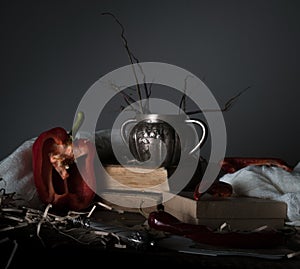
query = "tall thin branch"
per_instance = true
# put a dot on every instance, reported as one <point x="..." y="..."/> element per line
<point x="132" y="58"/>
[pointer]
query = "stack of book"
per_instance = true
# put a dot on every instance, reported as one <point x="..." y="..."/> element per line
<point x="133" y="188"/>
<point x="137" y="189"/>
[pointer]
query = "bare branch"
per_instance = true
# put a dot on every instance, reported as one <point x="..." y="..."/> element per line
<point x="128" y="99"/>
<point x="129" y="53"/>
<point x="227" y="106"/>
<point x="132" y="58"/>
<point x="182" y="104"/>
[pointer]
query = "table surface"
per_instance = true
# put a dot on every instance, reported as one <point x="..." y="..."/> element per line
<point x="54" y="248"/>
<point x="70" y="257"/>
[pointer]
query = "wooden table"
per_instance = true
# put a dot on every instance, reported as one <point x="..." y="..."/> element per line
<point x="60" y="251"/>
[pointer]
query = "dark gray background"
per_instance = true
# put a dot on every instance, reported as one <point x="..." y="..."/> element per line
<point x="53" y="51"/>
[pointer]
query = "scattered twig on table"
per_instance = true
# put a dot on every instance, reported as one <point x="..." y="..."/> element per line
<point x="12" y="254"/>
<point x="41" y="222"/>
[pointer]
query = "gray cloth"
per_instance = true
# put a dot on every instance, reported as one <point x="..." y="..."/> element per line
<point x="269" y="183"/>
<point x="17" y="177"/>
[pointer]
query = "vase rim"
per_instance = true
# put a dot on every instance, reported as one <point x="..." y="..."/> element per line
<point x="153" y="116"/>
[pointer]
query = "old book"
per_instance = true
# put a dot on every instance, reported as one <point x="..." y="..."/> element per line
<point x="133" y="188"/>
<point x="239" y="213"/>
<point x="135" y="178"/>
<point x="132" y="201"/>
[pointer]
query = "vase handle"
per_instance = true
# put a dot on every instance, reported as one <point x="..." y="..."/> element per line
<point x="204" y="133"/>
<point x="123" y="130"/>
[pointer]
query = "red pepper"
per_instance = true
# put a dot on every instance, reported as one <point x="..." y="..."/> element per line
<point x="217" y="189"/>
<point x="56" y="175"/>
<point x="232" y="164"/>
<point x="164" y="221"/>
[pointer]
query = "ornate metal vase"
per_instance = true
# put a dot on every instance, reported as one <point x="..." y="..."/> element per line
<point x="160" y="140"/>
